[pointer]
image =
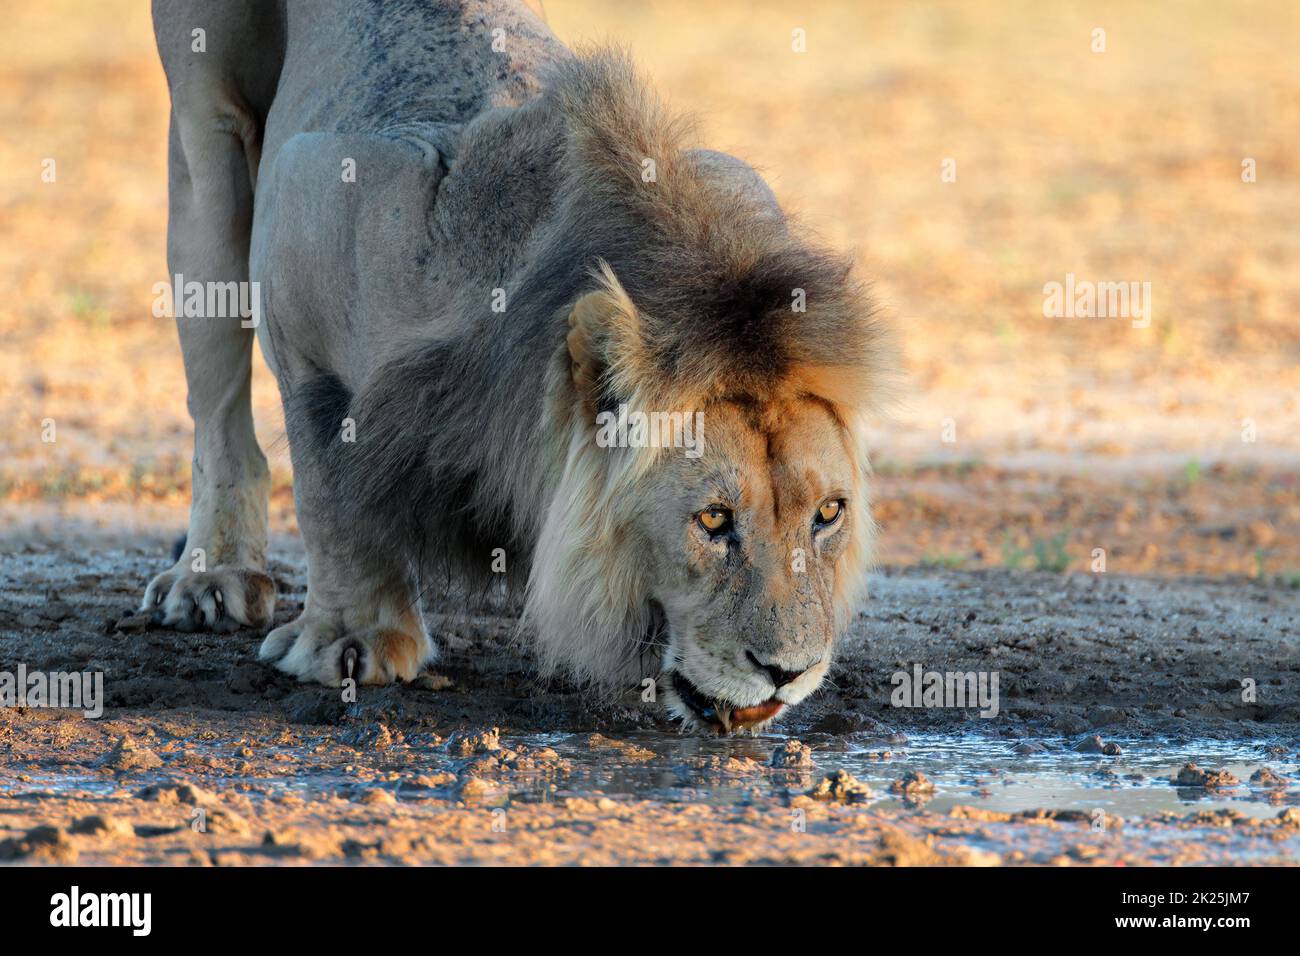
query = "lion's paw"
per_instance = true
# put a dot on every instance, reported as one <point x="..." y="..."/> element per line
<point x="222" y="599"/>
<point x="317" y="649"/>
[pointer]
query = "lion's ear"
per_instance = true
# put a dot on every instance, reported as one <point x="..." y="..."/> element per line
<point x="587" y="325"/>
<point x="602" y="329"/>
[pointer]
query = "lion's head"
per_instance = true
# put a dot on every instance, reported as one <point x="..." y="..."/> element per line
<point x="721" y="543"/>
<point x="661" y="287"/>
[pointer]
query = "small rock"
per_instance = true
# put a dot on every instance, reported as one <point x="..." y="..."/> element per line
<point x="1026" y="748"/>
<point x="1264" y="777"/>
<point x="247" y="678"/>
<point x="1069" y="724"/>
<point x="129" y="756"/>
<point x="1193" y="776"/>
<point x="468" y="743"/>
<point x="842" y="787"/>
<point x="716" y="764"/>
<point x="1112" y="749"/>
<point x="194" y="796"/>
<point x="963" y="812"/>
<point x="838" y="722"/>
<point x="57" y="611"/>
<point x="792" y="755"/>
<point x="133" y="622"/>
<point x="913" y="783"/>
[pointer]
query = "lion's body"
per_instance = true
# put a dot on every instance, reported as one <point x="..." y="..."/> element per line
<point x="421" y="192"/>
<point x="381" y="84"/>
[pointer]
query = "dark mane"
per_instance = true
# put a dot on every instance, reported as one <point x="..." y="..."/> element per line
<point x="711" y="265"/>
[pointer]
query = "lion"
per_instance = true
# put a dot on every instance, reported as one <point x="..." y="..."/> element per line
<point x="470" y="245"/>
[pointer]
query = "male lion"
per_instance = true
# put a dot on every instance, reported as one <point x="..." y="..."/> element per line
<point x="468" y="243"/>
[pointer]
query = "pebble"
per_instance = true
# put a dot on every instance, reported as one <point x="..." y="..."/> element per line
<point x="468" y="743"/>
<point x="841" y="787"/>
<point x="913" y="784"/>
<point x="129" y="755"/>
<point x="792" y="755"/>
<point x="1193" y="776"/>
<point x="1264" y="777"/>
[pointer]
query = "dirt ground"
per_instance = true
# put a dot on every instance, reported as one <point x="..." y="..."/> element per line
<point x="1023" y="455"/>
<point x="468" y="764"/>
<point x="1077" y="652"/>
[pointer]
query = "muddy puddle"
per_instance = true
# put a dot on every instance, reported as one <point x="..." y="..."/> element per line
<point x="370" y="792"/>
<point x="963" y="770"/>
<point x="955" y="771"/>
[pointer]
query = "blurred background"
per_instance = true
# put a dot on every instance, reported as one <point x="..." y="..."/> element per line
<point x="1019" y="440"/>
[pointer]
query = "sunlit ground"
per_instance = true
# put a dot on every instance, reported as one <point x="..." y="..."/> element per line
<point x="1018" y="439"/>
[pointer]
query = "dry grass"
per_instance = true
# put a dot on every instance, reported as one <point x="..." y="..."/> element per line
<point x="1123" y="165"/>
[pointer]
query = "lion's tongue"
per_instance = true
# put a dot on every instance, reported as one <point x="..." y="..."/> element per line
<point x="744" y="716"/>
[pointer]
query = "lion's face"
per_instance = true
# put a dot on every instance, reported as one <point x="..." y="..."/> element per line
<point x="736" y="569"/>
<point x="745" y="544"/>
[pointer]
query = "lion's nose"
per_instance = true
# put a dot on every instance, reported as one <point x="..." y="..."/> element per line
<point x="780" y="676"/>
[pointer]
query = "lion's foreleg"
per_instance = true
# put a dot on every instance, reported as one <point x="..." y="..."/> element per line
<point x="219" y="582"/>
<point x="361" y="619"/>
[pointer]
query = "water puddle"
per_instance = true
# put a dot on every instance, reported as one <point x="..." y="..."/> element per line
<point x="965" y="770"/>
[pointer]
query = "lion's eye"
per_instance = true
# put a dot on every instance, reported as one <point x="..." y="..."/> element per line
<point x="714" y="520"/>
<point x="829" y="513"/>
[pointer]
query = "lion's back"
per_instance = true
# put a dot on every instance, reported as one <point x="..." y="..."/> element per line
<point x="365" y="65"/>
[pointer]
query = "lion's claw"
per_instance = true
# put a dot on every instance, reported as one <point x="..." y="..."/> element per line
<point x="327" y="651"/>
<point x="222" y="599"/>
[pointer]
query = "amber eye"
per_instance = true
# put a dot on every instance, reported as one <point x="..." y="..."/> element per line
<point x="829" y="513"/>
<point x="714" y="520"/>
